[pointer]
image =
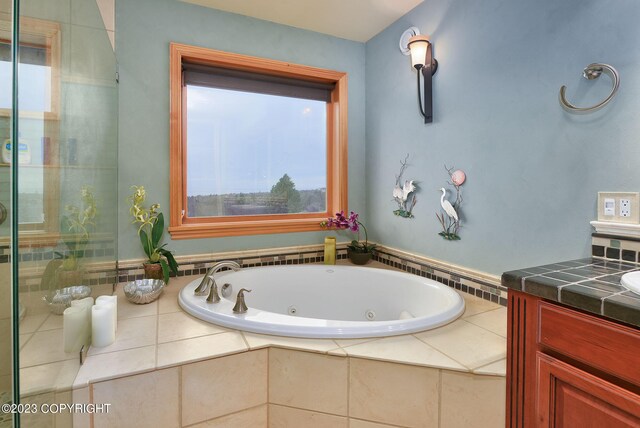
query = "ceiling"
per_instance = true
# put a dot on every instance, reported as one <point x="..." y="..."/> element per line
<point x="357" y="20"/>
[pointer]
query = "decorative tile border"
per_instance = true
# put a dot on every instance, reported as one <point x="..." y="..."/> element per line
<point x="472" y="282"/>
<point x="620" y="248"/>
<point x="476" y="283"/>
<point x="38" y="253"/>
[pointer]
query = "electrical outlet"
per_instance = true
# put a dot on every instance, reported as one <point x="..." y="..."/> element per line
<point x="625" y="208"/>
<point x="619" y="207"/>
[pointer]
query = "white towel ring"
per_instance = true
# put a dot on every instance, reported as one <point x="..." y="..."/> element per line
<point x="593" y="71"/>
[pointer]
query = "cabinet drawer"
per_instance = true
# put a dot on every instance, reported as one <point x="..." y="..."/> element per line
<point x="601" y="344"/>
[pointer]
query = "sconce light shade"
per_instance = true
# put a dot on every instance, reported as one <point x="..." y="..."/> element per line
<point x="422" y="60"/>
<point x="418" y="47"/>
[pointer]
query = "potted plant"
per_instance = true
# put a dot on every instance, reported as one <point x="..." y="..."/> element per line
<point x="160" y="260"/>
<point x="75" y="230"/>
<point x="359" y="252"/>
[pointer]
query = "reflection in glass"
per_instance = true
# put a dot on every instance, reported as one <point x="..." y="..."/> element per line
<point x="67" y="178"/>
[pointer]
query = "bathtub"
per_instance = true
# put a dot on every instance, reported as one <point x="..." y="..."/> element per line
<point x="327" y="302"/>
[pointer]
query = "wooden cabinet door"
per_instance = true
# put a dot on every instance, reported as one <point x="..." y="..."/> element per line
<point x="568" y="397"/>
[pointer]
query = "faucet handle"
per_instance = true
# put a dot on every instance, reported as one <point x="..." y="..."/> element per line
<point x="214" y="297"/>
<point x="240" y="306"/>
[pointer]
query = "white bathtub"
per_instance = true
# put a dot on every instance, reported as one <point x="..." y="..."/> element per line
<point x="328" y="302"/>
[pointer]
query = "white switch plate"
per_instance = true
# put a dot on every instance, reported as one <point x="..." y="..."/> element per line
<point x="624" y="209"/>
<point x="609" y="207"/>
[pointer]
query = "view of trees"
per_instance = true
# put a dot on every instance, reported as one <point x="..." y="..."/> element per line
<point x="283" y="198"/>
<point x="286" y="189"/>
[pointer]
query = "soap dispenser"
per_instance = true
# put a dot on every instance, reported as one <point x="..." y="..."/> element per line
<point x="330" y="250"/>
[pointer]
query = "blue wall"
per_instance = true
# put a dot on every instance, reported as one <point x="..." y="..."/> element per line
<point x="144" y="30"/>
<point x="533" y="170"/>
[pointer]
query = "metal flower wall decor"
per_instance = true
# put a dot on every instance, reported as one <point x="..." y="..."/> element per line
<point x="404" y="193"/>
<point x="449" y="217"/>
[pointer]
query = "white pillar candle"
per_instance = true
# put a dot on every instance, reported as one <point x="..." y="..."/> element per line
<point x="85" y="304"/>
<point x="102" y="324"/>
<point x="100" y="300"/>
<point x="74" y="328"/>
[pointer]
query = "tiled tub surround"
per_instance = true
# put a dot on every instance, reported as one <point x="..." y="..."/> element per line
<point x="469" y="281"/>
<point x="169" y="369"/>
<point x="591" y="284"/>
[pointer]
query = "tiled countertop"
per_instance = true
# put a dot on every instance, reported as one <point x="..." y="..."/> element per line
<point x="589" y="284"/>
<point x="161" y="334"/>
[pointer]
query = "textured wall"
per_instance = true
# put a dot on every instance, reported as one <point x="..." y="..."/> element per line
<point x="144" y="30"/>
<point x="533" y="171"/>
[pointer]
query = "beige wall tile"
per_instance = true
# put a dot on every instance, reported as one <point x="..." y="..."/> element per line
<point x="308" y="381"/>
<point x="288" y="417"/>
<point x="126" y="309"/>
<point x="45" y="347"/>
<point x="475" y="305"/>
<point x="250" y="418"/>
<point x="64" y="419"/>
<point x="168" y="303"/>
<point x="31" y="323"/>
<point x="499" y="368"/>
<point x="6" y="347"/>
<point x="494" y="321"/>
<point x="357" y="423"/>
<point x="200" y="348"/>
<point x="146" y="400"/>
<point x="220" y="386"/>
<point x="472" y="401"/>
<point x="468" y="344"/>
<point x="113" y="364"/>
<point x="38" y="419"/>
<point x="257" y="341"/>
<point x="403" y="349"/>
<point x="48" y="377"/>
<point x="132" y="333"/>
<point x="393" y="393"/>
<point x="81" y="396"/>
<point x="178" y="325"/>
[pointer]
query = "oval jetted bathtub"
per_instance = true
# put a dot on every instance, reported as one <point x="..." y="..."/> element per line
<point x="327" y="302"/>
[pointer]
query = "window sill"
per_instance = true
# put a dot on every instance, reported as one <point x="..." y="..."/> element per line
<point x="241" y="228"/>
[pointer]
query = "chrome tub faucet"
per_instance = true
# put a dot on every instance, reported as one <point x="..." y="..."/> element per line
<point x="208" y="282"/>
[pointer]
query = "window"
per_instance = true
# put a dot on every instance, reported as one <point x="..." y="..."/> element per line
<point x="39" y="103"/>
<point x="257" y="146"/>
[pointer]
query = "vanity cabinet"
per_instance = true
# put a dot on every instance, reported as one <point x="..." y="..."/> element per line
<point x="567" y="368"/>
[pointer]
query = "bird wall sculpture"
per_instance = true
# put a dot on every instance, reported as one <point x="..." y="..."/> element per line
<point x="449" y="217"/>
<point x="404" y="193"/>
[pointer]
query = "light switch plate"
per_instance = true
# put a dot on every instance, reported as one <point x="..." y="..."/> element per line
<point x="626" y="207"/>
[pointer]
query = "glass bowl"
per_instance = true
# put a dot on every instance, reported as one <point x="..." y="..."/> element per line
<point x="143" y="291"/>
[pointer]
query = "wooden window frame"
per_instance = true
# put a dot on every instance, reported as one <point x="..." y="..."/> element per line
<point x="43" y="34"/>
<point x="183" y="227"/>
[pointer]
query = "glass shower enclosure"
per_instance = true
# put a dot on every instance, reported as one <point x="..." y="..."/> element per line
<point x="58" y="190"/>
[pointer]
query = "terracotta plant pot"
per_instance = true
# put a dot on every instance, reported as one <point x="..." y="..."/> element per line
<point x="359" y="258"/>
<point x="153" y="271"/>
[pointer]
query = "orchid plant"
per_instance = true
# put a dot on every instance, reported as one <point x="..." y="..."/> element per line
<point x="76" y="227"/>
<point x="353" y="224"/>
<point x="151" y="229"/>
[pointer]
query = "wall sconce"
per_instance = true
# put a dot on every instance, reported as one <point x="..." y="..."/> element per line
<point x="421" y="51"/>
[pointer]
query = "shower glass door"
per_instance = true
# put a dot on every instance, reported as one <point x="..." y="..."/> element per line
<point x="60" y="159"/>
